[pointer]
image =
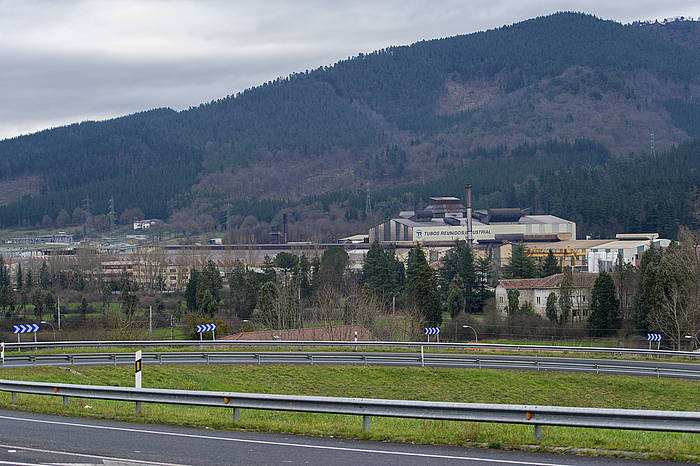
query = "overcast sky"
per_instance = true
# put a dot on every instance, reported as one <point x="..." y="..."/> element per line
<point x="63" y="61"/>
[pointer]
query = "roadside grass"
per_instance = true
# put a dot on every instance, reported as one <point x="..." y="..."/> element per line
<point x="435" y="384"/>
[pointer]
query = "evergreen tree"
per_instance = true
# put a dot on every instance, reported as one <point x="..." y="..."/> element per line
<point x="455" y="296"/>
<point x="191" y="290"/>
<point x="29" y="282"/>
<point x="83" y="309"/>
<point x="210" y="279"/>
<point x="375" y="269"/>
<point x="44" y="279"/>
<point x="460" y="261"/>
<point x="551" y="308"/>
<point x="19" y="278"/>
<point x="331" y="271"/>
<point x="305" y="277"/>
<point x="4" y="278"/>
<point x="521" y="264"/>
<point x="605" y="307"/>
<point x="38" y="303"/>
<point x="513" y="302"/>
<point x="268" y="270"/>
<point x="243" y="288"/>
<point x="550" y="265"/>
<point x="422" y="287"/>
<point x="649" y="295"/>
<point x="566" y="290"/>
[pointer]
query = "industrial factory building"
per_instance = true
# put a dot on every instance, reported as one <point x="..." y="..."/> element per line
<point x="446" y="219"/>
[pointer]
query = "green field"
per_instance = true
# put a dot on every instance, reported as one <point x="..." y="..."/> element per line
<point x="462" y="385"/>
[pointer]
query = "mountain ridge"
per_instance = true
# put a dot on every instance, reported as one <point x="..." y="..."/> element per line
<point x="382" y="119"/>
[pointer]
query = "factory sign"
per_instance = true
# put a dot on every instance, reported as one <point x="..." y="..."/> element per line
<point x="444" y="233"/>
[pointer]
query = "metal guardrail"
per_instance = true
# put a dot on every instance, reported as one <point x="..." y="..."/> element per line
<point x="311" y="344"/>
<point x="655" y="369"/>
<point x="537" y="416"/>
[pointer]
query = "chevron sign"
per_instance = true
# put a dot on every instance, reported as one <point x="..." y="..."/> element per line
<point x="431" y="331"/>
<point x="653" y="337"/>
<point x="25" y="328"/>
<point x="206" y="328"/>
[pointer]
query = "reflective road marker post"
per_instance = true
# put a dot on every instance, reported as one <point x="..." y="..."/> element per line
<point x="137" y="376"/>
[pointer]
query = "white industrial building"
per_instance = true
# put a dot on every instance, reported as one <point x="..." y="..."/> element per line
<point x="445" y="220"/>
<point x="629" y="246"/>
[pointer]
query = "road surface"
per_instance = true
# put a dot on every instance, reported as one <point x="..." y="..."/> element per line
<point x="41" y="439"/>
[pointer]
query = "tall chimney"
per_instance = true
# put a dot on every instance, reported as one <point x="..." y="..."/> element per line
<point x="468" y="201"/>
<point x="284" y="229"/>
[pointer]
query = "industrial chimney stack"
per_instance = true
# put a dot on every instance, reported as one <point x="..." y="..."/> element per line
<point x="468" y="202"/>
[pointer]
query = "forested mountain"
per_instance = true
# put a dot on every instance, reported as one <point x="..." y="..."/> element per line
<point x="556" y="113"/>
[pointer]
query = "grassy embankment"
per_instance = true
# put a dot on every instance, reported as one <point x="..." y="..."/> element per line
<point x="462" y="385"/>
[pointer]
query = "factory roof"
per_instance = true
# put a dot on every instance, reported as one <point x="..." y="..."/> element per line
<point x="567" y="244"/>
<point x="581" y="280"/>
<point x="628" y="244"/>
<point x="440" y="222"/>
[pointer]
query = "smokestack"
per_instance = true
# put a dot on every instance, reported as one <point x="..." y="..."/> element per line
<point x="284" y="229"/>
<point x="468" y="202"/>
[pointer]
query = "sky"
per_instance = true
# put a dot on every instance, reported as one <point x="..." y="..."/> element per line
<point x="64" y="61"/>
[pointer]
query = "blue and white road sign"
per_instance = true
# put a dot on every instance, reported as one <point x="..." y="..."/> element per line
<point x="25" y="328"/>
<point x="431" y="331"/>
<point x="206" y="328"/>
<point x="653" y="337"/>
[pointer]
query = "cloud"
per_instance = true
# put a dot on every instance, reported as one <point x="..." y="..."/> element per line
<point x="75" y="60"/>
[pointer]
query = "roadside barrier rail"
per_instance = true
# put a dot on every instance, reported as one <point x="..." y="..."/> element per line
<point x="482" y="361"/>
<point x="354" y="344"/>
<point x="536" y="416"/>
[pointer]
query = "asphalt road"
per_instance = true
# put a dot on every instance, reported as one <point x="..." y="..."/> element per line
<point x="652" y="368"/>
<point x="40" y="439"/>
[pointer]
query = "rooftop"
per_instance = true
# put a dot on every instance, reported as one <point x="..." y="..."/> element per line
<point x="581" y="280"/>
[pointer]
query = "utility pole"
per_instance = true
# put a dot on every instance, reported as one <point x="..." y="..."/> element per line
<point x="58" y="307"/>
<point x="150" y="321"/>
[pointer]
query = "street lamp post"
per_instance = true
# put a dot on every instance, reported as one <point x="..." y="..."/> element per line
<point x="476" y="337"/>
<point x="52" y="328"/>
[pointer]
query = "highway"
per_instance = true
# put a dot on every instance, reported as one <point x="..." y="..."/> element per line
<point x="688" y="370"/>
<point x="41" y="439"/>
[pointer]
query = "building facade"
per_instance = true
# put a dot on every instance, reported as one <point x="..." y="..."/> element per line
<point x="536" y="291"/>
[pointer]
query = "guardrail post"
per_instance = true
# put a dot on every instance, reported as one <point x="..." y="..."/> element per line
<point x="236" y="414"/>
<point x="257" y="356"/>
<point x="138" y="407"/>
<point x="65" y="401"/>
<point x="538" y="433"/>
<point x="422" y="357"/>
<point x="365" y="423"/>
<point x="311" y="357"/>
<point x="14" y="397"/>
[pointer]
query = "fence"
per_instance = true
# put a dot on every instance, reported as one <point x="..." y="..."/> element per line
<point x="536" y="416"/>
<point x="484" y="361"/>
<point x="354" y="344"/>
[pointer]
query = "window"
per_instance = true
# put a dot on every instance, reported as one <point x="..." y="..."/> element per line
<point x="538" y="300"/>
<point x="500" y="299"/>
<point x="583" y="298"/>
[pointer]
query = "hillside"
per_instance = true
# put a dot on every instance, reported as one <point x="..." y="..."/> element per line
<point x="504" y="109"/>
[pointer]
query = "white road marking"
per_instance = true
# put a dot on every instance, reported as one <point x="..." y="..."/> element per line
<point x="87" y="455"/>
<point x="267" y="442"/>
<point x="19" y="464"/>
